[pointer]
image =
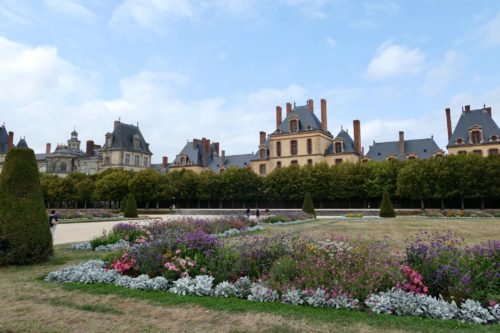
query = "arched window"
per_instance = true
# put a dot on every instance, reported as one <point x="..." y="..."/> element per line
<point x="338" y="147"/>
<point x="493" y="138"/>
<point x="63" y="167"/>
<point x="278" y="148"/>
<point x="127" y="159"/>
<point x="293" y="125"/>
<point x="459" y="141"/>
<point x="136" y="160"/>
<point x="475" y="137"/>
<point x="309" y="146"/>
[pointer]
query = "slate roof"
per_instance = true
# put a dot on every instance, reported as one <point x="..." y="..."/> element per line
<point x="4" y="138"/>
<point x="123" y="138"/>
<point x="468" y="119"/>
<point x="306" y="118"/>
<point x="65" y="150"/>
<point x="22" y="144"/>
<point x="241" y="161"/>
<point x="423" y="148"/>
<point x="348" y="143"/>
<point x="194" y="152"/>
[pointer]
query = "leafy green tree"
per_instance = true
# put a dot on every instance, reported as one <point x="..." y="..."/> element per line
<point x="146" y="186"/>
<point x="165" y="190"/>
<point x="415" y="181"/>
<point x="386" y="209"/>
<point x="286" y="184"/>
<point x="123" y="204"/>
<point x="320" y="182"/>
<point x="84" y="190"/>
<point x="112" y="185"/>
<point x="308" y="205"/>
<point x="240" y="184"/>
<point x="209" y="186"/>
<point x="25" y="236"/>
<point x="131" y="207"/>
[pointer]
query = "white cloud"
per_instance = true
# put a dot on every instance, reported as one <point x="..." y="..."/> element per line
<point x="372" y="8"/>
<point x="490" y="32"/>
<point x="395" y="60"/>
<point x="330" y="41"/>
<point x="440" y="76"/>
<point x="70" y="7"/>
<point x="150" y="14"/>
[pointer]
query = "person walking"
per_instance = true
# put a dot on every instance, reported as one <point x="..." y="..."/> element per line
<point x="53" y="221"/>
<point x="247" y="212"/>
<point x="257" y="213"/>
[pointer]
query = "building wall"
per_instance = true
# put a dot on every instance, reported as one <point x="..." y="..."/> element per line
<point x="117" y="160"/>
<point x="471" y="148"/>
<point x="195" y="168"/>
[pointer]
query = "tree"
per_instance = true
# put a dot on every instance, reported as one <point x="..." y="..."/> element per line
<point x="84" y="190"/>
<point x="131" y="207"/>
<point x="123" y="204"/>
<point x="308" y="206"/>
<point x="25" y="236"/>
<point x="386" y="209"/>
<point x="112" y="185"/>
<point x="415" y="181"/>
<point x="146" y="185"/>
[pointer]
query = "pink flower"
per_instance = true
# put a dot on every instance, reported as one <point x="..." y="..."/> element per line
<point x="492" y="303"/>
<point x="177" y="251"/>
<point x="191" y="264"/>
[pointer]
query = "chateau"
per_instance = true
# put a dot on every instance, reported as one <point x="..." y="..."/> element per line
<point x="301" y="138"/>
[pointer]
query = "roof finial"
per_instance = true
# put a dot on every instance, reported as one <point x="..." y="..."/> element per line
<point x="294" y="104"/>
<point x="484" y="105"/>
<point x="137" y="124"/>
<point x="341" y="127"/>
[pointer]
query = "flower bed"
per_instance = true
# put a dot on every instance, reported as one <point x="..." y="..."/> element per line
<point x="287" y="217"/>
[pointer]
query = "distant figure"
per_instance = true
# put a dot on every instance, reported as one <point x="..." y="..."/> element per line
<point x="266" y="211"/>
<point x="53" y="221"/>
<point x="257" y="213"/>
<point x="248" y="213"/>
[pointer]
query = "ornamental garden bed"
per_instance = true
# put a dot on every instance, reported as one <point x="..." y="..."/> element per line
<point x="436" y="278"/>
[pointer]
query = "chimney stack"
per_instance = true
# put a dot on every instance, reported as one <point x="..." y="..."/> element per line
<point x="357" y="136"/>
<point x="467" y="108"/>
<point x="262" y="137"/>
<point x="448" y="122"/>
<point x="164" y="161"/>
<point x="216" y="148"/>
<point x="116" y="124"/>
<point x="488" y="109"/>
<point x="90" y="148"/>
<point x="278" y="117"/>
<point x="401" y="143"/>
<point x="324" y="125"/>
<point x="203" y="152"/>
<point x="310" y="104"/>
<point x="222" y="159"/>
<point x="10" y="141"/>
<point x="288" y="108"/>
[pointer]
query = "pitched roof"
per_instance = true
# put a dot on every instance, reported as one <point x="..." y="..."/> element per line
<point x="423" y="148"/>
<point x="241" y="161"/>
<point x="474" y="117"/>
<point x="66" y="151"/>
<point x="4" y="138"/>
<point x="346" y="139"/>
<point x="193" y="151"/>
<point x="22" y="144"/>
<point x="123" y="138"/>
<point x="307" y="120"/>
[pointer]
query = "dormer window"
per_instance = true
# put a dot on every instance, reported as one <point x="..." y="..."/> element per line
<point x="309" y="128"/>
<point x="338" y="147"/>
<point x="294" y="125"/>
<point x="412" y="156"/>
<point x="183" y="160"/>
<point x="137" y="141"/>
<point x="475" y="137"/>
<point x="262" y="154"/>
<point x="109" y="140"/>
<point x="493" y="138"/>
<point x="459" y="141"/>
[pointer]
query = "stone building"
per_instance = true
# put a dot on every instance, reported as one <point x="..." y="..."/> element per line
<point x="476" y="132"/>
<point x="403" y="149"/>
<point x="303" y="139"/>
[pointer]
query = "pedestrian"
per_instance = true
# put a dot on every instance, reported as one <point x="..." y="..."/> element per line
<point x="247" y="212"/>
<point x="257" y="213"/>
<point x="53" y="221"/>
<point x="267" y="210"/>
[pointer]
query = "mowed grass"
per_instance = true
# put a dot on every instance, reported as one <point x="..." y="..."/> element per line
<point x="28" y="304"/>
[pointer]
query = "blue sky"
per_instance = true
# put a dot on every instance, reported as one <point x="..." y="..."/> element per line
<point x="187" y="69"/>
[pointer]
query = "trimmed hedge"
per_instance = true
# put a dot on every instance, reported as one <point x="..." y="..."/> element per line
<point x="25" y="236"/>
<point x="308" y="206"/>
<point x="386" y="209"/>
<point x="131" y="208"/>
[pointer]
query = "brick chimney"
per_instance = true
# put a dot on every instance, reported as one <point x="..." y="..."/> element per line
<point x="488" y="109"/>
<point x="401" y="143"/>
<point x="216" y="148"/>
<point x="357" y="136"/>
<point x="222" y="159"/>
<point x="116" y="124"/>
<point x="324" y="125"/>
<point x="90" y="148"/>
<point x="203" y="152"/>
<point x="278" y="117"/>
<point x="288" y="108"/>
<point x="164" y="161"/>
<point x="10" y="141"/>
<point x="310" y="104"/>
<point x="448" y="122"/>
<point x="262" y="137"/>
<point x="467" y="108"/>
<point x="48" y="148"/>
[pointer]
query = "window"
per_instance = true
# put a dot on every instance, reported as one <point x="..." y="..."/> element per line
<point x="295" y="162"/>
<point x="63" y="167"/>
<point x="278" y="164"/>
<point x="460" y="152"/>
<point x="145" y="161"/>
<point x="262" y="154"/>
<point x="338" y="161"/>
<point x="493" y="151"/>
<point x="475" y="137"/>
<point x="478" y="152"/>
<point x="278" y="148"/>
<point x="310" y="162"/>
<point x="127" y="159"/>
<point x="262" y="169"/>
<point x="136" y="160"/>
<point x="106" y="161"/>
<point x="338" y="147"/>
<point x="293" y="125"/>
<point x="183" y="160"/>
<point x="293" y="147"/>
<point x="137" y="141"/>
<point x="412" y="156"/>
<point x="493" y="138"/>
<point x="309" y="146"/>
<point x="459" y="141"/>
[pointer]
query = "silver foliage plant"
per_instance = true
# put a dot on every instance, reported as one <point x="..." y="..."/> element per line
<point x="225" y="289"/>
<point x="119" y="245"/>
<point x="261" y="293"/>
<point x="293" y="296"/>
<point x="472" y="311"/>
<point x="234" y="232"/>
<point x="242" y="287"/>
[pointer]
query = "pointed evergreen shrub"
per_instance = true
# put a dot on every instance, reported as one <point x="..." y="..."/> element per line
<point x="25" y="236"/>
<point x="123" y="204"/>
<point x="131" y="207"/>
<point x="386" y="209"/>
<point x="308" y="206"/>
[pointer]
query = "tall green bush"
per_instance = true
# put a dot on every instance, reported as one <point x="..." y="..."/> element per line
<point x="131" y="208"/>
<point x="386" y="209"/>
<point x="307" y="205"/>
<point x="123" y="204"/>
<point x="25" y="236"/>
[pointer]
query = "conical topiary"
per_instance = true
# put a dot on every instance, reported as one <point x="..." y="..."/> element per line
<point x="131" y="208"/>
<point x="307" y="205"/>
<point x="123" y="204"/>
<point x="25" y="236"/>
<point x="386" y="209"/>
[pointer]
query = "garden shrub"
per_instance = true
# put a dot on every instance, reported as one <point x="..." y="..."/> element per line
<point x="25" y="236"/>
<point x="308" y="205"/>
<point x="131" y="208"/>
<point x="386" y="209"/>
<point x="123" y="204"/>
